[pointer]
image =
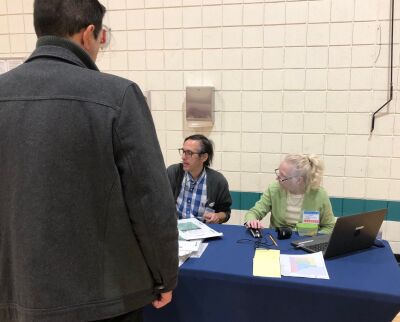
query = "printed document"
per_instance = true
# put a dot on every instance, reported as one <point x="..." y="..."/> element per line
<point x="308" y="265"/>
<point x="191" y="228"/>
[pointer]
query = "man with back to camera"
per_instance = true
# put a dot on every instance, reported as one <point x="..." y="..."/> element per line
<point x="199" y="191"/>
<point x="81" y="238"/>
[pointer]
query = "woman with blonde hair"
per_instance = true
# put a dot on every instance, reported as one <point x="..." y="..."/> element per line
<point x="295" y="193"/>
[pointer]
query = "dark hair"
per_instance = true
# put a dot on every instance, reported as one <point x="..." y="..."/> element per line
<point x="206" y="146"/>
<point x="64" y="18"/>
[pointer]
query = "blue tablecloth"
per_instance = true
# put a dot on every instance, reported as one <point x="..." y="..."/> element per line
<point x="219" y="287"/>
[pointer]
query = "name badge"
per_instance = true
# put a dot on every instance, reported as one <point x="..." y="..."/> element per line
<point x="311" y="217"/>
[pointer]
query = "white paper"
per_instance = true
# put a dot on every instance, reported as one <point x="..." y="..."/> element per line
<point x="7" y="64"/>
<point x="12" y="63"/>
<point x="190" y="249"/>
<point x="3" y="66"/>
<point x="308" y="265"/>
<point x="191" y="228"/>
<point x="190" y="246"/>
<point x="182" y="259"/>
<point x="200" y="252"/>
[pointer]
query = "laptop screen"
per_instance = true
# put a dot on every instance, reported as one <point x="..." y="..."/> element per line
<point x="351" y="233"/>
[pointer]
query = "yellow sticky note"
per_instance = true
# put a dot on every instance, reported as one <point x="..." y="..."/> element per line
<point x="266" y="263"/>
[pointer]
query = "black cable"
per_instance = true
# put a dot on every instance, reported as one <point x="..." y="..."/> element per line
<point x="391" y="69"/>
<point x="257" y="242"/>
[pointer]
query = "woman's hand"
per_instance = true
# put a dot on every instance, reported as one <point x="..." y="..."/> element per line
<point x="256" y="224"/>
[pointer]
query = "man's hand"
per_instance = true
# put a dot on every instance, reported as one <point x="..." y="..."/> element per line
<point x="214" y="218"/>
<point x="164" y="299"/>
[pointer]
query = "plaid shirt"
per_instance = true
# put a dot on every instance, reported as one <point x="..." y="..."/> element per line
<point x="192" y="198"/>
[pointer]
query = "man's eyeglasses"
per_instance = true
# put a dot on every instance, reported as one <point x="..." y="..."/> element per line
<point x="281" y="178"/>
<point x="105" y="37"/>
<point x="188" y="153"/>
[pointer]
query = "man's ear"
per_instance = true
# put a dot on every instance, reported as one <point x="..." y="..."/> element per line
<point x="204" y="157"/>
<point x="88" y="38"/>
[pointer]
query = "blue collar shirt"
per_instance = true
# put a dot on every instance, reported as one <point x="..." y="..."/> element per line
<point x="192" y="199"/>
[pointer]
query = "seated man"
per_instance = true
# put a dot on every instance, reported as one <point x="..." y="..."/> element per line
<point x="198" y="190"/>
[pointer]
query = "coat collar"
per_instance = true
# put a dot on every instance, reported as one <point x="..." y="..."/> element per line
<point x="64" y="49"/>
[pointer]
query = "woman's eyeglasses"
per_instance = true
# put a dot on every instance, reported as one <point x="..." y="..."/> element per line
<point x="282" y="178"/>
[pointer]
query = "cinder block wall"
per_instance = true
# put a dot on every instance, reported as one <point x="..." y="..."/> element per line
<point x="290" y="76"/>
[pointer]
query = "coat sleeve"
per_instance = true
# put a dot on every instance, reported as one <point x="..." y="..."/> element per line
<point x="261" y="208"/>
<point x="146" y="188"/>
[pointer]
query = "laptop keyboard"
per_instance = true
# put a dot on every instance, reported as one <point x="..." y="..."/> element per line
<point x="319" y="247"/>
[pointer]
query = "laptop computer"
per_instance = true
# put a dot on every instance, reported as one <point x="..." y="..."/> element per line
<point x="351" y="233"/>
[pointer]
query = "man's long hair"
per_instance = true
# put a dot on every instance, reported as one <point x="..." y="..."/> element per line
<point x="206" y="146"/>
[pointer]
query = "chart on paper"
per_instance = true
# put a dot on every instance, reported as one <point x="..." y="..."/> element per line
<point x="309" y="265"/>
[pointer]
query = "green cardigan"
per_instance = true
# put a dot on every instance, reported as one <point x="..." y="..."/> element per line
<point x="274" y="200"/>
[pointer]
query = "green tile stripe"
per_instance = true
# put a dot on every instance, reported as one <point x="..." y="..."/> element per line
<point x="341" y="206"/>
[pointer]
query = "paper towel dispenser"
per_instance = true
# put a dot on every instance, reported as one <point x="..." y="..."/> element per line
<point x="200" y="106"/>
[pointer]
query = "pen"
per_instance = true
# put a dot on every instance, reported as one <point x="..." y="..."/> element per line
<point x="305" y="242"/>
<point x="300" y="244"/>
<point x="273" y="240"/>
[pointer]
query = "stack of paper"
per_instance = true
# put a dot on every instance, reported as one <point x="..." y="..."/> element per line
<point x="191" y="234"/>
<point x="266" y="263"/>
<point x="193" y="248"/>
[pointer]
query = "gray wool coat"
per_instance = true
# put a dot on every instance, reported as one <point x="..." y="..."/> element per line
<point x="87" y="218"/>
